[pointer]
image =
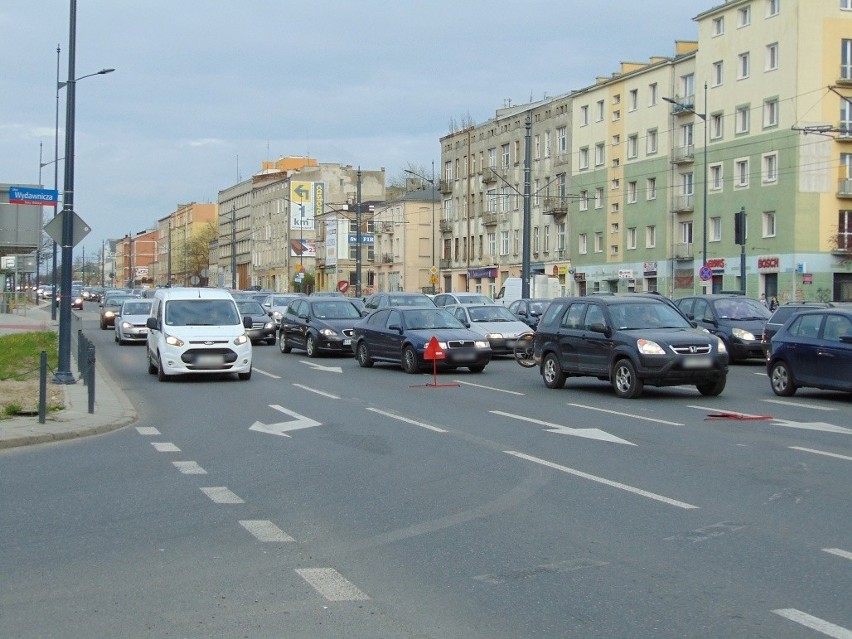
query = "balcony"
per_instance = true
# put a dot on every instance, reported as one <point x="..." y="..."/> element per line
<point x="844" y="131"/>
<point x="683" y="251"/>
<point x="488" y="175"/>
<point x="490" y="218"/>
<point x="445" y="186"/>
<point x="683" y="154"/>
<point x="387" y="258"/>
<point x="685" y="105"/>
<point x="683" y="204"/>
<point x="555" y="206"/>
<point x="387" y="227"/>
<point x="842" y="244"/>
<point x="844" y="188"/>
<point x="446" y="226"/>
<point x="445" y="263"/>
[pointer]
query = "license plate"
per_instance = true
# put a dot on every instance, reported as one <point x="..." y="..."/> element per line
<point x="347" y="342"/>
<point x="209" y="361"/>
<point x="464" y="357"/>
<point x="697" y="362"/>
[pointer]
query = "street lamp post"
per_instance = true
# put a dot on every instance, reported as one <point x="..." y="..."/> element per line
<point x="432" y="197"/>
<point x="703" y="116"/>
<point x="358" y="235"/>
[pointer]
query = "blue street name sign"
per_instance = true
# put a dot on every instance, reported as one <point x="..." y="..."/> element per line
<point x="37" y="197"/>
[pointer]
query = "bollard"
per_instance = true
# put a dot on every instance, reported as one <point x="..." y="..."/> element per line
<point x="42" y="388"/>
<point x="90" y="365"/>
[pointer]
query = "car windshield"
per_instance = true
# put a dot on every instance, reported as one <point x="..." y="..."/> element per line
<point x="475" y="299"/>
<point x="410" y="300"/>
<point x="741" y="309"/>
<point x="335" y="310"/>
<point x="136" y="308"/>
<point x="280" y="300"/>
<point x="201" y="313"/>
<point x="648" y="315"/>
<point x="118" y="300"/>
<point x="492" y="313"/>
<point x="250" y="307"/>
<point x="537" y="308"/>
<point x="429" y="319"/>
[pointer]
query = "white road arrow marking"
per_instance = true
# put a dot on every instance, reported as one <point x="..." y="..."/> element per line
<point x="588" y="433"/>
<point x="281" y="428"/>
<point x="822" y="426"/>
<point x="320" y="367"/>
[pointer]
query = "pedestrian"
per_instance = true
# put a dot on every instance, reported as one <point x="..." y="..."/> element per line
<point x="773" y="303"/>
<point x="763" y="300"/>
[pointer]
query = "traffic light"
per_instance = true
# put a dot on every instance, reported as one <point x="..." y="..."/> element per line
<point x="740" y="227"/>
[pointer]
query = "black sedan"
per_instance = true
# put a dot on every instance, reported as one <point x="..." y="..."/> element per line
<point x="318" y="325"/>
<point x="262" y="325"/>
<point x="529" y="311"/>
<point x="401" y="335"/>
<point x="814" y="348"/>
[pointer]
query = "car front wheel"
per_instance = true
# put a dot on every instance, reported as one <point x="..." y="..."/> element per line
<point x="781" y="380"/>
<point x="282" y="343"/>
<point x="551" y="372"/>
<point x="712" y="389"/>
<point x="363" y="355"/>
<point x="409" y="361"/>
<point x="625" y="381"/>
<point x="311" y="346"/>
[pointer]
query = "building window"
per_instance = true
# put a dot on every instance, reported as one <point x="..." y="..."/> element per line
<point x="686" y="232"/>
<point x="651" y="142"/>
<point x="492" y="157"/>
<point x="562" y="140"/>
<point x="844" y="229"/>
<point x="547" y="144"/>
<point x="631" y="238"/>
<point x="772" y="56"/>
<point x="613" y="208"/>
<point x="504" y="153"/>
<point x="598" y="242"/>
<point x="599" y="111"/>
<point x="616" y="115"/>
<point x="537" y="147"/>
<point x="744" y="16"/>
<point x="717" y="126"/>
<point x="492" y="244"/>
<point x="846" y="58"/>
<point x="743" y="66"/>
<point x="535" y="239"/>
<point x="546" y="239"/>
<point x="651" y="189"/>
<point x="770" y="168"/>
<point x="715" y="229"/>
<point x="599" y="197"/>
<point x="613" y="249"/>
<point x="687" y="183"/>
<point x="633" y="100"/>
<point x="772" y="8"/>
<point x="632" y="146"/>
<point x="583" y="159"/>
<point x="719" y="26"/>
<point x="584" y="115"/>
<point x="614" y="184"/>
<point x="516" y="241"/>
<point x="600" y="154"/>
<point x="650" y="236"/>
<point x="741" y="173"/>
<point x="846" y="4"/>
<point x="687" y="86"/>
<point x="584" y="200"/>
<point x="652" y="93"/>
<point x="504" y="242"/>
<point x="613" y="228"/>
<point x="769" y="224"/>
<point x="845" y="118"/>
<point x="448" y="171"/>
<point x="582" y="244"/>
<point x="560" y="236"/>
<point x="716" y="176"/>
<point x="631" y="192"/>
<point x="770" y="113"/>
<point x="718" y="73"/>
<point x="741" y="117"/>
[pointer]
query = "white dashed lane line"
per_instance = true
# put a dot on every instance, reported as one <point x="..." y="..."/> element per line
<point x="406" y="420"/>
<point x="147" y="430"/>
<point x="265" y="531"/>
<point x="787" y="402"/>
<point x="331" y="584"/>
<point x="631" y="415"/>
<point x="814" y="623"/>
<point x="189" y="468"/>
<point x="820" y="452"/>
<point x="839" y="552"/>
<point x="221" y="495"/>
<point x="165" y="447"/>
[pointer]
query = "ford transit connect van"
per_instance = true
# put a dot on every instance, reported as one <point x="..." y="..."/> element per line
<point x="197" y="330"/>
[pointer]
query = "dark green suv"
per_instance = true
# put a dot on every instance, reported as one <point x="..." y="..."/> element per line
<point x="629" y="341"/>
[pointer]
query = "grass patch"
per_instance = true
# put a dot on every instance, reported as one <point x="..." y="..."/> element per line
<point x="19" y="372"/>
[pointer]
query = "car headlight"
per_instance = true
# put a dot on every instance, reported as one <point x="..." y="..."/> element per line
<point x="126" y="325"/>
<point x="269" y="325"/>
<point x="494" y="336"/>
<point x="647" y="347"/>
<point x="481" y="344"/>
<point x="241" y="339"/>
<point x="328" y="332"/>
<point x="743" y="334"/>
<point x="276" y="315"/>
<point x="721" y="345"/>
<point x="78" y="300"/>
<point x="109" y="314"/>
<point x="171" y="340"/>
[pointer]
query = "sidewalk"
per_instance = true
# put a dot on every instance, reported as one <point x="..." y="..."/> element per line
<point x="112" y="408"/>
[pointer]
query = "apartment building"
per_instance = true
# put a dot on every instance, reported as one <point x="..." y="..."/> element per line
<point x="627" y="173"/>
<point x="182" y="248"/>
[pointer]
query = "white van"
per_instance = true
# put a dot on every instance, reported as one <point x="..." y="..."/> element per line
<point x="541" y="287"/>
<point x="197" y="330"/>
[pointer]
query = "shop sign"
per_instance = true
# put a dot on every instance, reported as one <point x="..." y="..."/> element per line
<point x="649" y="268"/>
<point x="768" y="264"/>
<point x="475" y="273"/>
<point x="579" y="277"/>
<point x="807" y="278"/>
<point x="625" y="274"/>
<point x="717" y="263"/>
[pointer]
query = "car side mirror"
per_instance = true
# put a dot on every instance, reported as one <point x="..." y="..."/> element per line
<point x="153" y="323"/>
<point x="599" y="327"/>
<point x="247" y="323"/>
<point x="395" y="327"/>
<point x="846" y="339"/>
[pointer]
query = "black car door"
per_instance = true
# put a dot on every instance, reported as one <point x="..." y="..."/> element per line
<point x="594" y="350"/>
<point x="569" y="335"/>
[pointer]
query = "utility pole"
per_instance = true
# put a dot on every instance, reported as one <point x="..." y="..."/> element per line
<point x="358" y="235"/>
<point x="525" y="261"/>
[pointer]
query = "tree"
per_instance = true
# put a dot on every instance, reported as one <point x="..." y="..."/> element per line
<point x="198" y="249"/>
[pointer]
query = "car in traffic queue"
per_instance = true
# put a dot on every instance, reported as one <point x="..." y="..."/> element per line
<point x="130" y="321"/>
<point x="529" y="310"/>
<point x="402" y="334"/>
<point x="783" y="313"/>
<point x="276" y="305"/>
<point x="401" y="298"/>
<point x="629" y="341"/>
<point x="494" y="322"/>
<point x="462" y="297"/>
<point x="318" y="325"/>
<point x="262" y="325"/>
<point x="813" y="349"/>
<point x="111" y="306"/>
<point x="736" y="319"/>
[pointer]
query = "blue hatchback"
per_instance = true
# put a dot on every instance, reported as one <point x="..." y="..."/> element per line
<point x="814" y="348"/>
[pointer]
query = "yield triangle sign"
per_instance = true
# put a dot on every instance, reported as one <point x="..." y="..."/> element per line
<point x="433" y="350"/>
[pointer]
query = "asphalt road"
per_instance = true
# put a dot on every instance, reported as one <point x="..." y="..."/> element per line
<point x="320" y="499"/>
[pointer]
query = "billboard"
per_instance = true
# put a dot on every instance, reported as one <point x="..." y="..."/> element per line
<point x="20" y="225"/>
<point x="307" y="200"/>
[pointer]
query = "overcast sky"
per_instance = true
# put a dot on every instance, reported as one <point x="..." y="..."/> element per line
<point x="205" y="90"/>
